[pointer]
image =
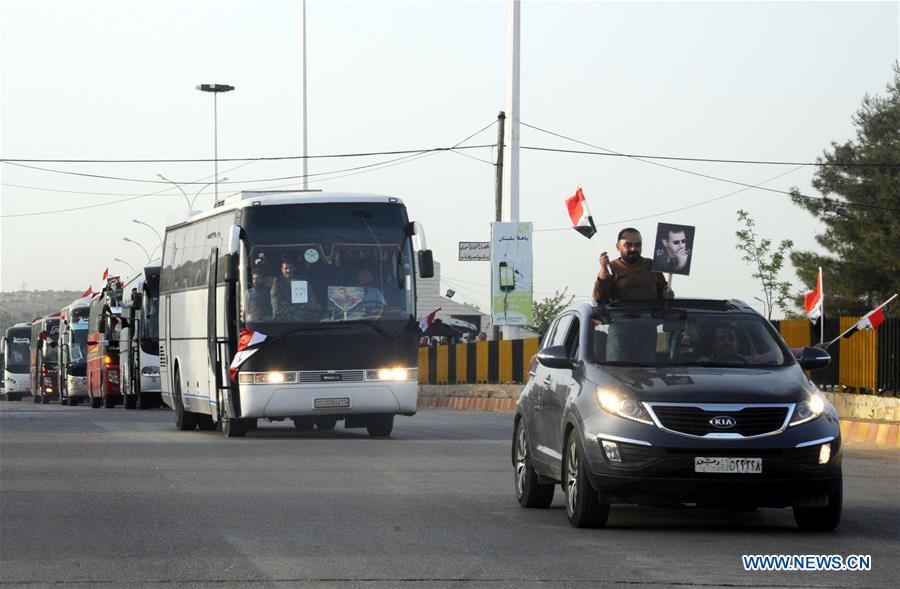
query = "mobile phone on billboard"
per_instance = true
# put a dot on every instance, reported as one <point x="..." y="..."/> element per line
<point x="507" y="278"/>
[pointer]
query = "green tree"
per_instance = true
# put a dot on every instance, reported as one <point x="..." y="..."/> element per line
<point x="860" y="209"/>
<point x="546" y="309"/>
<point x="757" y="251"/>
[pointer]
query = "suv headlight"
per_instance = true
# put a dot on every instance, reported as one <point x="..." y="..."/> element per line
<point x="808" y="410"/>
<point x="623" y="406"/>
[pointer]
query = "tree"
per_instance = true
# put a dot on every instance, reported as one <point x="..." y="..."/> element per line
<point x="860" y="209"/>
<point x="546" y="309"/>
<point x="756" y="251"/>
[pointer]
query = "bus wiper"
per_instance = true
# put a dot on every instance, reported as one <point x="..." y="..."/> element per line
<point x="332" y="325"/>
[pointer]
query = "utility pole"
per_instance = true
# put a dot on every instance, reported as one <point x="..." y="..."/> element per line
<point x="498" y="198"/>
<point x="511" y="170"/>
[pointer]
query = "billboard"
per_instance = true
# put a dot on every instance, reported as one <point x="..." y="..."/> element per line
<point x="511" y="273"/>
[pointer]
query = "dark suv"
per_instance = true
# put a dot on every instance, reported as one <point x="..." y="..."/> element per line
<point x="675" y="402"/>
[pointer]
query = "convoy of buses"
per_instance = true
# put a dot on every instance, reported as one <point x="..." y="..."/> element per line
<point x="273" y="305"/>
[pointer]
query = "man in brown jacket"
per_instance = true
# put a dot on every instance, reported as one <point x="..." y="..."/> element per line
<point x="631" y="278"/>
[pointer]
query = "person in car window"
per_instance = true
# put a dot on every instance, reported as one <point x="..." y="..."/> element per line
<point x="725" y="346"/>
<point x="292" y="298"/>
<point x="629" y="277"/>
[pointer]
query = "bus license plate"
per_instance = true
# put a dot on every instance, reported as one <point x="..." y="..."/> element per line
<point x="728" y="465"/>
<point x="332" y="403"/>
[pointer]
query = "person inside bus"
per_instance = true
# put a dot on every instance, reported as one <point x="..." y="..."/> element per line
<point x="259" y="306"/>
<point x="372" y="295"/>
<point x="292" y="298"/>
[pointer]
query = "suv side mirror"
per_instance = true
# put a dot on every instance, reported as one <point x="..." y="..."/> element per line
<point x="814" y="358"/>
<point x="555" y="357"/>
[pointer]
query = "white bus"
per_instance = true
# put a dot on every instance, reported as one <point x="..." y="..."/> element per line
<point x="17" y="361"/>
<point x="139" y="339"/>
<point x="73" y="330"/>
<point x="291" y="305"/>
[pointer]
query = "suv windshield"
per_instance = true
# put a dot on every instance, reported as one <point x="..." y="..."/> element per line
<point x="678" y="337"/>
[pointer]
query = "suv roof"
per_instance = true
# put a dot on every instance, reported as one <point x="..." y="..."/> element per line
<point x="733" y="305"/>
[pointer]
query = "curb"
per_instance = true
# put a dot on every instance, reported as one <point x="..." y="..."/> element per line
<point x="852" y="431"/>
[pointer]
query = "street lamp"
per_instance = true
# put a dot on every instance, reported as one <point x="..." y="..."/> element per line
<point x="152" y="228"/>
<point x="202" y="188"/>
<point x="139" y="245"/>
<point x="124" y="262"/>
<point x="215" y="89"/>
<point x="186" y="199"/>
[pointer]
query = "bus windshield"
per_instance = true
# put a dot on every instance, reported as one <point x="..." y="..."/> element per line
<point x="78" y="351"/>
<point x="150" y="325"/>
<point x="18" y="349"/>
<point x="315" y="263"/>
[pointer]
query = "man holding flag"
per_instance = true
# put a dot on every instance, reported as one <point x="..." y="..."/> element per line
<point x="814" y="305"/>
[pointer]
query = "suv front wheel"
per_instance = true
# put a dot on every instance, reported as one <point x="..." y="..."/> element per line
<point x="583" y="507"/>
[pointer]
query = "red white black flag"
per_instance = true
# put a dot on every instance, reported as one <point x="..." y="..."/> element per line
<point x="428" y="320"/>
<point x="248" y="344"/>
<point x="815" y="300"/>
<point x="870" y="320"/>
<point x="88" y="292"/>
<point x="106" y="274"/>
<point x="581" y="214"/>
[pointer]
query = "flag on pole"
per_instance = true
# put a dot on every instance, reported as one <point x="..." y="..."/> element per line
<point x="580" y="214"/>
<point x="88" y="292"/>
<point x="248" y="344"/>
<point x="870" y="320"/>
<point x="106" y="274"/>
<point x="815" y="300"/>
<point x="428" y="320"/>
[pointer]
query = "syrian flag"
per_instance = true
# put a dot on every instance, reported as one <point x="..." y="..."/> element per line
<point x="106" y="274"/>
<point x="428" y="320"/>
<point x="870" y="320"/>
<point x="814" y="302"/>
<point x="248" y="344"/>
<point x="581" y="214"/>
<point x="88" y="292"/>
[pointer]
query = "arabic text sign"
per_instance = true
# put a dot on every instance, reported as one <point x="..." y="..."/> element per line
<point x="511" y="273"/>
<point x="474" y="251"/>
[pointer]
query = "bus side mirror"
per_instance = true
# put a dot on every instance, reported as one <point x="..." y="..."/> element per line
<point x="231" y="270"/>
<point x="426" y="264"/>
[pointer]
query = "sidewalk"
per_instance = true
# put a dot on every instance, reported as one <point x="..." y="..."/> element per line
<point x="883" y="429"/>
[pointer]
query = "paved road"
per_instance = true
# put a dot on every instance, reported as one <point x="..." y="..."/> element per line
<point x="100" y="497"/>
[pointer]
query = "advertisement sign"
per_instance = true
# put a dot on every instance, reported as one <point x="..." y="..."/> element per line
<point x="511" y="273"/>
<point x="474" y="251"/>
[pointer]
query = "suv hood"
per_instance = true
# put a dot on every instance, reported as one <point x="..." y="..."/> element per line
<point x="701" y="384"/>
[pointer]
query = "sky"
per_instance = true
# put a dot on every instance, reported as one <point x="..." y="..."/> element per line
<point x="771" y="81"/>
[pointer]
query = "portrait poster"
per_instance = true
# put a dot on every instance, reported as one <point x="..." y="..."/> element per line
<point x="511" y="273"/>
<point x="673" y="248"/>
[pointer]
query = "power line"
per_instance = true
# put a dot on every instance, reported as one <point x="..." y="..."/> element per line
<point x="613" y="153"/>
<point x="710" y="177"/>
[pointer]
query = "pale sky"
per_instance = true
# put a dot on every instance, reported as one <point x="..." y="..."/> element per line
<point x="773" y="81"/>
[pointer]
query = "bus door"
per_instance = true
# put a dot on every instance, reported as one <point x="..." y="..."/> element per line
<point x="212" y="340"/>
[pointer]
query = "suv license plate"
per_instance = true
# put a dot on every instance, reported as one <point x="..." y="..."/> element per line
<point x="728" y="465"/>
<point x="332" y="403"/>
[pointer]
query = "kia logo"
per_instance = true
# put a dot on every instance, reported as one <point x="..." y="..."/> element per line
<point x="722" y="421"/>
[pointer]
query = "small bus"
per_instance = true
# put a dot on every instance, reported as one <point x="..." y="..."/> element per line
<point x="104" y="326"/>
<point x="44" y="354"/>
<point x="73" y="330"/>
<point x="139" y="341"/>
<point x="16" y="364"/>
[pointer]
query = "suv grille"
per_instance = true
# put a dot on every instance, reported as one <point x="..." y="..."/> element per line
<point x="695" y="421"/>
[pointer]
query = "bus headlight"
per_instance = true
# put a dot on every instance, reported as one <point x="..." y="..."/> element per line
<point x="275" y="377"/>
<point x="390" y="374"/>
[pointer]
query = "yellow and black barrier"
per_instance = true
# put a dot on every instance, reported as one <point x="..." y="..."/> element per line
<point x="494" y="362"/>
<point x="867" y="360"/>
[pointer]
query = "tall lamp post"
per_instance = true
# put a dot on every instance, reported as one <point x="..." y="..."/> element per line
<point x="139" y="245"/>
<point x="215" y="89"/>
<point x="178" y="186"/>
<point x="124" y="262"/>
<point x="202" y="188"/>
<point x="152" y="228"/>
